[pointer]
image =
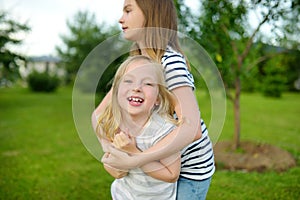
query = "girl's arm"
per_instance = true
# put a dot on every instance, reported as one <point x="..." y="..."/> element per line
<point x="190" y="129"/>
<point x="116" y="173"/>
<point x="113" y="171"/>
<point x="167" y="169"/>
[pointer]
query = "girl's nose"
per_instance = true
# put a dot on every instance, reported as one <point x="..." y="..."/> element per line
<point x="137" y="88"/>
<point x="121" y="20"/>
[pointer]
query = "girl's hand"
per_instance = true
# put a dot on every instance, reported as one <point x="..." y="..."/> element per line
<point x="125" y="142"/>
<point x="116" y="173"/>
<point x="118" y="156"/>
<point x="120" y="159"/>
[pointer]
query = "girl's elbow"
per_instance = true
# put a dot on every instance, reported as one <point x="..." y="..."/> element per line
<point x="173" y="178"/>
<point x="198" y="135"/>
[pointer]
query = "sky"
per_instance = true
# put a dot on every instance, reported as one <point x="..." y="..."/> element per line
<point x="47" y="19"/>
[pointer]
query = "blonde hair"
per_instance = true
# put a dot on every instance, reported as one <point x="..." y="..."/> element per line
<point x="160" y="28"/>
<point x="110" y="120"/>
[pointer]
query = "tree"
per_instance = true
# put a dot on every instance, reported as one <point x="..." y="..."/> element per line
<point x="223" y="28"/>
<point x="84" y="35"/>
<point x="290" y="23"/>
<point x="9" y="67"/>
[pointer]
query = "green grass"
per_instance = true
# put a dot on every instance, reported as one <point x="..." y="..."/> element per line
<point x="42" y="156"/>
<point x="263" y="120"/>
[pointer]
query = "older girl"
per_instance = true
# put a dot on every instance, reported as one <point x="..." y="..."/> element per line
<point x="152" y="26"/>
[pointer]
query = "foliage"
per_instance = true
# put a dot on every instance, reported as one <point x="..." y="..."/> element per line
<point x="282" y="69"/>
<point x="274" y="78"/>
<point x="223" y="28"/>
<point x="184" y="16"/>
<point x="291" y="61"/>
<point x="9" y="60"/>
<point x="42" y="82"/>
<point x="289" y="22"/>
<point x="106" y="79"/>
<point x="96" y="72"/>
<point x="233" y="43"/>
<point x="85" y="34"/>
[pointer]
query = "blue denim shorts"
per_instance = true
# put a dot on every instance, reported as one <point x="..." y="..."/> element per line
<point x="188" y="189"/>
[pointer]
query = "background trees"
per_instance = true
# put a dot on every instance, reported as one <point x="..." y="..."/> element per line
<point x="9" y="66"/>
<point x="255" y="45"/>
<point x="244" y="38"/>
<point x="237" y="35"/>
<point x="84" y="35"/>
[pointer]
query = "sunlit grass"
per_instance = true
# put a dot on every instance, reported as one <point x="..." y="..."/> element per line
<point x="263" y="120"/>
<point x="42" y="156"/>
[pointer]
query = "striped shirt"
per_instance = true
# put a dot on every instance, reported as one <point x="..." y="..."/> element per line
<point x="137" y="184"/>
<point x="197" y="159"/>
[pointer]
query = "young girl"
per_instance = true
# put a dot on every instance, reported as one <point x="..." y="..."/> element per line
<point x="141" y="104"/>
<point x="152" y="26"/>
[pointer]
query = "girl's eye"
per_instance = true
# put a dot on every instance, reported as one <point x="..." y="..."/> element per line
<point x="148" y="84"/>
<point x="127" y="81"/>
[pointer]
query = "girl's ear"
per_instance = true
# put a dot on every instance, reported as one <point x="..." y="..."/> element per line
<point x="156" y="105"/>
<point x="158" y="100"/>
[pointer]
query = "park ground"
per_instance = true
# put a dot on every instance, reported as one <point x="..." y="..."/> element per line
<point x="42" y="156"/>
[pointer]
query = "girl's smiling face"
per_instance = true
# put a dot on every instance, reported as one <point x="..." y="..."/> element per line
<point x="138" y="90"/>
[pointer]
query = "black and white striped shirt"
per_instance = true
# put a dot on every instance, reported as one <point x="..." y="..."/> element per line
<point x="197" y="159"/>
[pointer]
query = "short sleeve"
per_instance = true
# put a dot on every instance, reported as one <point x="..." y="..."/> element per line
<point x="176" y="71"/>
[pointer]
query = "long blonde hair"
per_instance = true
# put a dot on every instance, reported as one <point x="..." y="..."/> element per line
<point x="109" y="121"/>
<point x="160" y="28"/>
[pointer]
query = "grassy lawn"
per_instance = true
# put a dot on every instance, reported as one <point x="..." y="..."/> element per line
<point x="42" y="156"/>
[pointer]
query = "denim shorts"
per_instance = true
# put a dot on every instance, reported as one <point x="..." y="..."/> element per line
<point x="188" y="189"/>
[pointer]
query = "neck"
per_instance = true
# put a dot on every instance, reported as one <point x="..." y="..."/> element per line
<point x="142" y="48"/>
<point x="133" y="125"/>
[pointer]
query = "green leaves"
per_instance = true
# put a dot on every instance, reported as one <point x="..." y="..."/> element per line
<point x="84" y="35"/>
<point x="9" y="59"/>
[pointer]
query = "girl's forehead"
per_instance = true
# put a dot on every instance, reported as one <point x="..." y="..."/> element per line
<point x="142" y="71"/>
<point x="140" y="66"/>
<point x="129" y="2"/>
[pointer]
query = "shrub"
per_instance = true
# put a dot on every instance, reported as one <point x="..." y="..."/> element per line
<point x="274" y="81"/>
<point x="42" y="82"/>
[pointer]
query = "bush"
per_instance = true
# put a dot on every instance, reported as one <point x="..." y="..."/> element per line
<point x="42" y="82"/>
<point x="274" y="81"/>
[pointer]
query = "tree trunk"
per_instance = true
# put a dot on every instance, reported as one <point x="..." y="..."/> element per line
<point x="236" y="108"/>
<point x="237" y="124"/>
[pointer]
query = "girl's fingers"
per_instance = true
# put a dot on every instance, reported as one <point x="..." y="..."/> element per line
<point x="118" y="159"/>
<point x="121" y="140"/>
<point x="117" y="141"/>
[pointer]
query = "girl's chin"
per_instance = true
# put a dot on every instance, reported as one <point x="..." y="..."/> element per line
<point x="128" y="37"/>
<point x="131" y="35"/>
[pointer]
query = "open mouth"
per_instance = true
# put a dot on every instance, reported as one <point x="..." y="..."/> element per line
<point x="135" y="100"/>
